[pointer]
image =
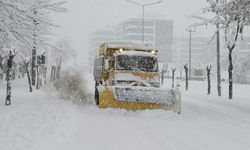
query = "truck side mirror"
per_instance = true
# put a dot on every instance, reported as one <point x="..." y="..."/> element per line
<point x="106" y="65"/>
<point x="98" y="67"/>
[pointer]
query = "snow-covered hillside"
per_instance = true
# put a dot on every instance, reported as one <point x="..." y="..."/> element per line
<point x="40" y="121"/>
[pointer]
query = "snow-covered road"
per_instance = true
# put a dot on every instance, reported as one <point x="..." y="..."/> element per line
<point x="43" y="122"/>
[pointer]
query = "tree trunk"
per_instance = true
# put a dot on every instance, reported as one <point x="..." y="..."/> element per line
<point x="230" y="74"/>
<point x="13" y="74"/>
<point x="57" y="72"/>
<point x="54" y="73"/>
<point x="51" y="74"/>
<point x="208" y="80"/>
<point x="186" y="72"/>
<point x="8" y="93"/>
<point x="1" y="62"/>
<point x="8" y="78"/>
<point x="1" y="67"/>
<point x="28" y="75"/>
<point x="33" y="61"/>
<point x="42" y="75"/>
<point x="38" y="77"/>
<point x="41" y="82"/>
<point x="58" y="69"/>
<point x="33" y="66"/>
<point x="45" y="74"/>
<point x="180" y="75"/>
<point x="173" y="78"/>
<point x="162" y="76"/>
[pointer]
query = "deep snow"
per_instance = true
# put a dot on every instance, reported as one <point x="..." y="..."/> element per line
<point x="41" y="121"/>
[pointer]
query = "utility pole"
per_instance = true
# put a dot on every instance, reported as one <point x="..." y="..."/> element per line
<point x="218" y="56"/>
<point x="143" y="7"/>
<point x="190" y="30"/>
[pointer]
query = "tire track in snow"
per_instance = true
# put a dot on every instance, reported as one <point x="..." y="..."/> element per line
<point x="163" y="144"/>
<point x="122" y="134"/>
<point x="229" y="104"/>
<point x="206" y="109"/>
<point x="218" y="121"/>
<point x="168" y="137"/>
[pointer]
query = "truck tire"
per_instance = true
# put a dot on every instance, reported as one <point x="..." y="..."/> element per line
<point x="96" y="95"/>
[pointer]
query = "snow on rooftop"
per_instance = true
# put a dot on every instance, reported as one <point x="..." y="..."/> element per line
<point x="135" y="53"/>
<point x="129" y="45"/>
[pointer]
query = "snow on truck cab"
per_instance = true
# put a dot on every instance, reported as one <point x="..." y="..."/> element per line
<point x="126" y="76"/>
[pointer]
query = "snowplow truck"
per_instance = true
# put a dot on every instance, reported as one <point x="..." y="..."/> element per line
<point x="127" y="76"/>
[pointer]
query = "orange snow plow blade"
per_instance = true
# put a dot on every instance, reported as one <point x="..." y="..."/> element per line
<point x="139" y="98"/>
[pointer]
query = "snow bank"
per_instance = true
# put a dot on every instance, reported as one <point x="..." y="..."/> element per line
<point x="33" y="118"/>
<point x="37" y="121"/>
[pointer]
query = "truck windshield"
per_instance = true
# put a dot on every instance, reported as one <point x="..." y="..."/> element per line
<point x="137" y="63"/>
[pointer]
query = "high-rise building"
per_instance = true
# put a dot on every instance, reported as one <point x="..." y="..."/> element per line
<point x="157" y="33"/>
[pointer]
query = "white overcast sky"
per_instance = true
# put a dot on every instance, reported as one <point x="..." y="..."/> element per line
<point x="86" y="16"/>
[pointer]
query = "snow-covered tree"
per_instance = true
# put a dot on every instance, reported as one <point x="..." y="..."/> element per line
<point x="14" y="29"/>
<point x="25" y="24"/>
<point x="42" y="23"/>
<point x="15" y="23"/>
<point x="232" y="15"/>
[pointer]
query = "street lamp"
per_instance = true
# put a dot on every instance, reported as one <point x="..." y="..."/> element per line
<point x="143" y="5"/>
<point x="190" y="30"/>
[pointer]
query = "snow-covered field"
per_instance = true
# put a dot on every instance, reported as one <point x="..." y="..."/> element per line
<point x="41" y="121"/>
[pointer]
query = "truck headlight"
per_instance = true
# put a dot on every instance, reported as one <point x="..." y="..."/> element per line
<point x="153" y="52"/>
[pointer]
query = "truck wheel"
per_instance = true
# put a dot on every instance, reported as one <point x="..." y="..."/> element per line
<point x="96" y="96"/>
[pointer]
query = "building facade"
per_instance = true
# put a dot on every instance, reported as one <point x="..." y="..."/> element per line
<point x="203" y="52"/>
<point x="157" y="33"/>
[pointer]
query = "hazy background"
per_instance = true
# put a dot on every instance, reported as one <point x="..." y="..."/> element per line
<point x="86" y="16"/>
